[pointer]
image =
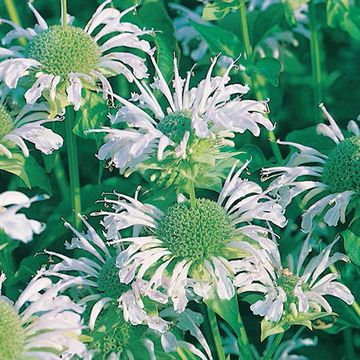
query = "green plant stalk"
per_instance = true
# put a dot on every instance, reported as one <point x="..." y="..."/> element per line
<point x="64" y="13"/>
<point x="315" y="62"/>
<point x="61" y="177"/>
<point x="256" y="83"/>
<point x="192" y="195"/>
<point x="73" y="162"/>
<point x="245" y="30"/>
<point x="243" y="340"/>
<point x="273" y="347"/>
<point x="216" y="334"/>
<point x="14" y="17"/>
<point x="185" y="354"/>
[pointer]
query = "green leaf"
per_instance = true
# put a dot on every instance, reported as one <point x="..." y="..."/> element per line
<point x="226" y="309"/>
<point x="49" y="161"/>
<point x="340" y="14"/>
<point x="311" y="138"/>
<point x="153" y="15"/>
<point x="269" y="328"/>
<point x="258" y="158"/>
<point x="15" y="166"/>
<point x="290" y="7"/>
<point x="352" y="241"/>
<point x="303" y="319"/>
<point x="90" y="193"/>
<point x="219" y="8"/>
<point x="265" y="23"/>
<point x="92" y="115"/>
<point x="347" y="318"/>
<point x="268" y="67"/>
<point x="219" y="40"/>
<point x="37" y="175"/>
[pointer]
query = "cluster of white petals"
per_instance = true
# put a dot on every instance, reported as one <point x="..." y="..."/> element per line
<point x="88" y="271"/>
<point x="51" y="322"/>
<point x="214" y="107"/>
<point x="18" y="226"/>
<point x="299" y="290"/>
<point x="303" y="173"/>
<point x="29" y="125"/>
<point x="105" y="21"/>
<point x="244" y="203"/>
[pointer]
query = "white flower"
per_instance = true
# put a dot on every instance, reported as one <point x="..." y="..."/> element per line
<point x="99" y="275"/>
<point x="42" y="324"/>
<point x="28" y="125"/>
<point x="117" y="307"/>
<point x="190" y="242"/>
<point x="193" y="127"/>
<point x="18" y="226"/>
<point x="187" y="321"/>
<point x="270" y="45"/>
<point x="289" y="291"/>
<point x="66" y="60"/>
<point x="331" y="179"/>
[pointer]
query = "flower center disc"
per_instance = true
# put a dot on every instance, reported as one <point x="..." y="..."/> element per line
<point x="342" y="169"/>
<point x="175" y="125"/>
<point x="6" y="122"/>
<point x="288" y="282"/>
<point x="63" y="51"/>
<point x="195" y="233"/>
<point x="112" y="333"/>
<point x="12" y="338"/>
<point x="109" y="282"/>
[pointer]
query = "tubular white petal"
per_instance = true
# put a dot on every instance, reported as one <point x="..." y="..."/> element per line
<point x="96" y="309"/>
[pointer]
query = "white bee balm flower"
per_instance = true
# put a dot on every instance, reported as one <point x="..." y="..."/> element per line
<point x="291" y="295"/>
<point x="118" y="320"/>
<point x="64" y="60"/>
<point x="100" y="276"/>
<point x="42" y="324"/>
<point x="190" y="242"/>
<point x="185" y="135"/>
<point x="332" y="179"/>
<point x="27" y="125"/>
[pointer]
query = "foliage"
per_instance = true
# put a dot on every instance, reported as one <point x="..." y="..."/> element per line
<point x="273" y="54"/>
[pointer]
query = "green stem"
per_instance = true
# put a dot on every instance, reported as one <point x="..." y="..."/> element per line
<point x="216" y="334"/>
<point x="61" y="177"/>
<point x="315" y="62"/>
<point x="255" y="81"/>
<point x="356" y="308"/>
<point x="73" y="165"/>
<point x="273" y="347"/>
<point x="245" y="30"/>
<point x="192" y="195"/>
<point x="64" y="13"/>
<point x="243" y="340"/>
<point x="14" y="17"/>
<point x="185" y="354"/>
